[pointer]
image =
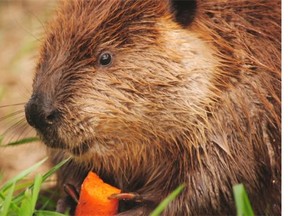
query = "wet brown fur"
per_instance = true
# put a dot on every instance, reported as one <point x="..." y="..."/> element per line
<point x="149" y="130"/>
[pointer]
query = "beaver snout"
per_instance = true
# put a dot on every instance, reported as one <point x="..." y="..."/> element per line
<point x="40" y="114"/>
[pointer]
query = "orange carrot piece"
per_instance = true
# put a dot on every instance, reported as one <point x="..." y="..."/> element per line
<point x="94" y="200"/>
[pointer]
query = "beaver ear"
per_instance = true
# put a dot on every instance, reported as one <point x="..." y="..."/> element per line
<point x="183" y="11"/>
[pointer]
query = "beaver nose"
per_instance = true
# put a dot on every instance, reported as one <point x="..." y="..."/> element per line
<point x="40" y="115"/>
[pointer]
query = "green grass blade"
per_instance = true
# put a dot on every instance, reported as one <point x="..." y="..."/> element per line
<point x="161" y="207"/>
<point x="243" y="205"/>
<point x="7" y="202"/>
<point x="20" y="186"/>
<point x="21" y="176"/>
<point x="13" y="206"/>
<point x="55" y="168"/>
<point x="2" y="197"/>
<point x="36" y="190"/>
<point x="22" y="141"/>
<point x="26" y="204"/>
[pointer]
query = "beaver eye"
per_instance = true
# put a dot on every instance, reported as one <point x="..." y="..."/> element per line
<point x="105" y="59"/>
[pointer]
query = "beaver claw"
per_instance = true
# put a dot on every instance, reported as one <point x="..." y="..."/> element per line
<point x="73" y="193"/>
<point x="127" y="196"/>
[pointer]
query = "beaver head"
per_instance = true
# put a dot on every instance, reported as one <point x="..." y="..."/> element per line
<point x="118" y="74"/>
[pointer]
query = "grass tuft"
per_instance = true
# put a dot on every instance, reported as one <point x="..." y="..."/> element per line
<point x="21" y="199"/>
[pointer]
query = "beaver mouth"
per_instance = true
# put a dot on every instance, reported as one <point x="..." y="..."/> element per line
<point x="79" y="149"/>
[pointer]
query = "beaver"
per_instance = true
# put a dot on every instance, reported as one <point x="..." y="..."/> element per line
<point x="154" y="94"/>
